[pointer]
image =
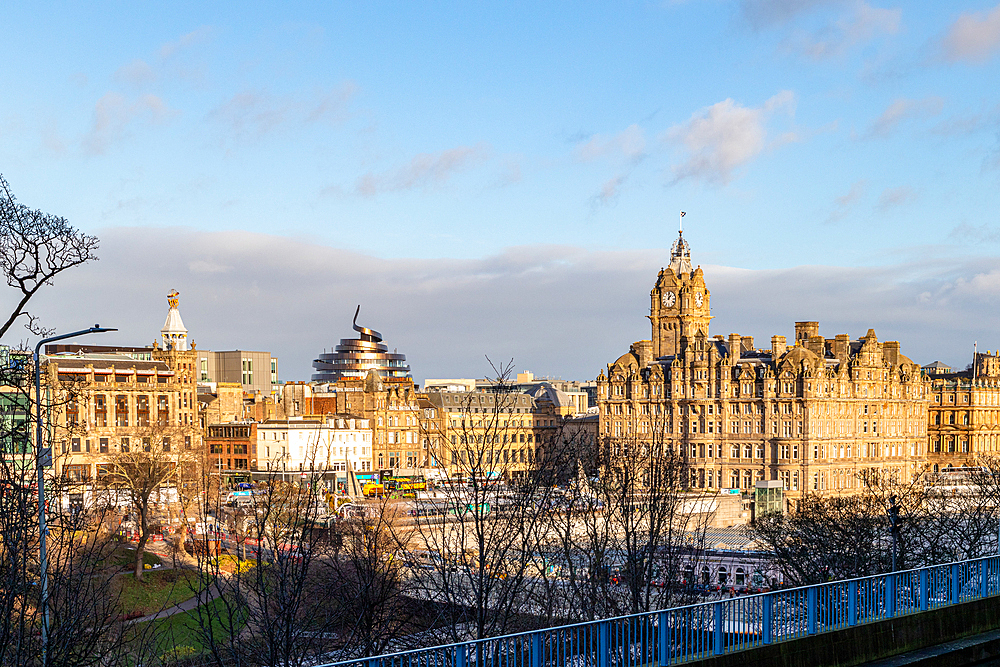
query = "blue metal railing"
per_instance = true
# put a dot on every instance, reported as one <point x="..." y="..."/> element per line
<point x="684" y="634"/>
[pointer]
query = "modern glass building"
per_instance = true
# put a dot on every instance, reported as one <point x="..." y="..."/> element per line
<point x="354" y="357"/>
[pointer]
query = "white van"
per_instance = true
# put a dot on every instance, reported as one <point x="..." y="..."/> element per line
<point x="239" y="498"/>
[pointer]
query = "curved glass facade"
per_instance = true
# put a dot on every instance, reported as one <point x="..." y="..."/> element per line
<point x="354" y="357"/>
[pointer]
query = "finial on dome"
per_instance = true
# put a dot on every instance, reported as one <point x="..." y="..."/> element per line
<point x="172" y="299"/>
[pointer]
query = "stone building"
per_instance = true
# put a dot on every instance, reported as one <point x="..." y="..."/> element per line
<point x="503" y="432"/>
<point x="106" y="400"/>
<point x="221" y="403"/>
<point x="324" y="446"/>
<point x="964" y="416"/>
<point x="812" y="414"/>
<point x="389" y="405"/>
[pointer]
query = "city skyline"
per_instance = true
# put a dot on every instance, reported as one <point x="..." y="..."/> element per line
<point x="839" y="157"/>
<point x="559" y="311"/>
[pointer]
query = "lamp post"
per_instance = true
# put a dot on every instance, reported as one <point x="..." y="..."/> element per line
<point x="894" y="527"/>
<point x="43" y="459"/>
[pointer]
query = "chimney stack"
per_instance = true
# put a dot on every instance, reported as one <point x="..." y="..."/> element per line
<point x="778" y="347"/>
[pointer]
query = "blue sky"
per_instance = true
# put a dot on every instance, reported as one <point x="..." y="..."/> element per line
<point x="795" y="133"/>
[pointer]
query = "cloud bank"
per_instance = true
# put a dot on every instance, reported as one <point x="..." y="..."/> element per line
<point x="556" y="310"/>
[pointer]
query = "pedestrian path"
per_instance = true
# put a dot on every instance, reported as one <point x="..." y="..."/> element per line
<point x="186" y="605"/>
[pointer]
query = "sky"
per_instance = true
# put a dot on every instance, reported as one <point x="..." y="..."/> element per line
<point x="503" y="180"/>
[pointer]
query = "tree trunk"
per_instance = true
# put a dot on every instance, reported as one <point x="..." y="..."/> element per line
<point x="140" y="548"/>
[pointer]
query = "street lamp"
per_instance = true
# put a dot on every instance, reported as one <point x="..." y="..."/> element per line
<point x="43" y="459"/>
<point x="894" y="527"/>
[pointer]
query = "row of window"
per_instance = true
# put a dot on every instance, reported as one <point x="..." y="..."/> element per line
<point x="125" y="444"/>
<point x="502" y="456"/>
<point x="102" y="378"/>
<point x="748" y="390"/>
<point x="122" y="410"/>
<point x="494" y="439"/>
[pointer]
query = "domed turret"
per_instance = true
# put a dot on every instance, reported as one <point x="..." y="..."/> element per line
<point x="173" y="332"/>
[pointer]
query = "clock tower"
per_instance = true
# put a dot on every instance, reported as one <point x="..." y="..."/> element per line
<point x="679" y="305"/>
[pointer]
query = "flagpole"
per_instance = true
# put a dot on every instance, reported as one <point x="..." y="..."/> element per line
<point x="975" y="356"/>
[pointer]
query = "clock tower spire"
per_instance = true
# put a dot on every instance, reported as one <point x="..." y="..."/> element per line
<point x="679" y="302"/>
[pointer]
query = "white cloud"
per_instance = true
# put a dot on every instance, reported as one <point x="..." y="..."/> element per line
<point x="767" y="13"/>
<point x="968" y="123"/>
<point x="625" y="150"/>
<point x="902" y="109"/>
<point x="844" y="203"/>
<point x="610" y="190"/>
<point x="893" y="197"/>
<point x="251" y="114"/>
<point x="722" y="138"/>
<point x="114" y="114"/>
<point x="447" y="314"/>
<point x="137" y="73"/>
<point x="629" y="144"/>
<point x="975" y="234"/>
<point x="862" y="24"/>
<point x="510" y="172"/>
<point x="974" y="37"/>
<point x="195" y="36"/>
<point x="330" y="106"/>
<point x="425" y="169"/>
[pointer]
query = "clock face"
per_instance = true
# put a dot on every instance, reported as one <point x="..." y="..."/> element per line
<point x="698" y="299"/>
<point x="669" y="298"/>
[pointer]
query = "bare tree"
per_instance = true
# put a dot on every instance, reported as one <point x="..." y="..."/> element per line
<point x="364" y="579"/>
<point x="482" y="540"/>
<point x="145" y="466"/>
<point x="83" y="602"/>
<point x="850" y="536"/>
<point x="630" y="528"/>
<point x="35" y="247"/>
<point x="269" y="609"/>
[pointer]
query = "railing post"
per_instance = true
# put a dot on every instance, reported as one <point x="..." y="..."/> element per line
<point x="664" y="639"/>
<point x="925" y="589"/>
<point x="890" y="595"/>
<point x="717" y="609"/>
<point x="852" y="603"/>
<point x="461" y="655"/>
<point x="373" y="662"/>
<point x="812" y="609"/>
<point x="536" y="649"/>
<point x="767" y="619"/>
<point x="956" y="583"/>
<point x="604" y="644"/>
<point x="984" y="582"/>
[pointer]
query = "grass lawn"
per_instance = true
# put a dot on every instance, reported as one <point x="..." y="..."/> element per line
<point x="124" y="557"/>
<point x="179" y="636"/>
<point x="158" y="590"/>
